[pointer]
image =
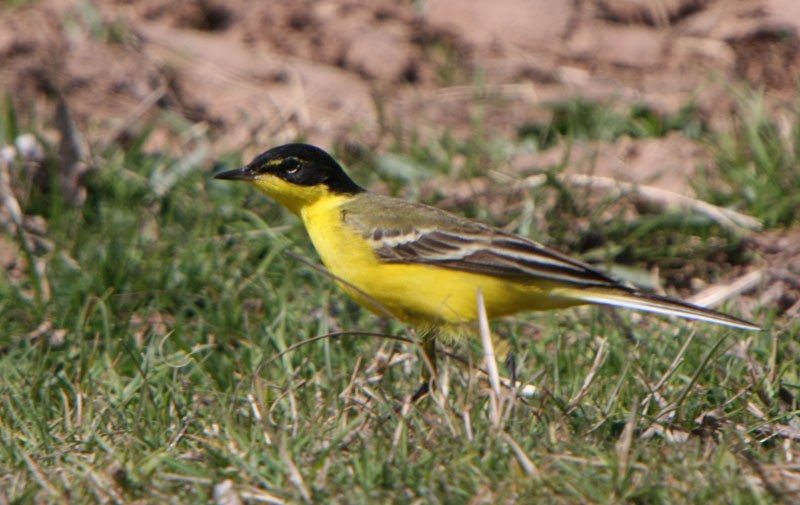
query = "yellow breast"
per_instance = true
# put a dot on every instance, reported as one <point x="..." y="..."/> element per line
<point x="419" y="294"/>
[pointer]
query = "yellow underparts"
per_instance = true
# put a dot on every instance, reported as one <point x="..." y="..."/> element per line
<point x="423" y="295"/>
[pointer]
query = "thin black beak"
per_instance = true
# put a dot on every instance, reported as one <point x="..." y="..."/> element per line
<point x="238" y="174"/>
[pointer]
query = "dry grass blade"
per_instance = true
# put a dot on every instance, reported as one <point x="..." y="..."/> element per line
<point x="491" y="362"/>
<point x="625" y="442"/>
<point x="724" y="217"/>
<point x="254" y="494"/>
<point x="224" y="494"/>
<point x="401" y="426"/>
<point x="335" y="334"/>
<point x="523" y="458"/>
<point x="295" y="477"/>
<point x="39" y="476"/>
<point x="670" y="371"/>
<point x="10" y="202"/>
<point x="467" y="423"/>
<point x="717" y="294"/>
<point x="256" y="410"/>
<point x="693" y="381"/>
<point x="599" y="359"/>
<point x="773" y="430"/>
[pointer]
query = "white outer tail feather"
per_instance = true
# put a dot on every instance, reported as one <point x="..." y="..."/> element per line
<point x="659" y="305"/>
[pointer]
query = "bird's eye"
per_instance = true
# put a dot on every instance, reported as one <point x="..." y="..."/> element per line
<point x="291" y="165"/>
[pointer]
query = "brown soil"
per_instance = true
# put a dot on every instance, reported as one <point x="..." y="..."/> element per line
<point x="351" y="71"/>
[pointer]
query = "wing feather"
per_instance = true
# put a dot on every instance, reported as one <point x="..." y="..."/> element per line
<point x="493" y="252"/>
<point x="403" y="232"/>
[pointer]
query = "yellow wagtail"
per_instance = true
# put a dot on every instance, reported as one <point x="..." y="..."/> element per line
<point x="424" y="265"/>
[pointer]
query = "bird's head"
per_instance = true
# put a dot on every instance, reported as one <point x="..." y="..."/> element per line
<point x="295" y="175"/>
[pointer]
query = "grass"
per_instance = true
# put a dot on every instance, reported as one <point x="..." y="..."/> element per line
<point x="585" y="120"/>
<point x="155" y="375"/>
<point x="757" y="160"/>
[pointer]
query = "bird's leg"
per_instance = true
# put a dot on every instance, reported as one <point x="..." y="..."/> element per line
<point x="503" y="346"/>
<point x="428" y="343"/>
<point x="511" y="366"/>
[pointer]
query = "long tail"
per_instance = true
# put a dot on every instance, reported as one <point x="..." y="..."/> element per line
<point x="654" y="303"/>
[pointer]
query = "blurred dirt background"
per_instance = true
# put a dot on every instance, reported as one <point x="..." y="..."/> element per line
<point x="362" y="72"/>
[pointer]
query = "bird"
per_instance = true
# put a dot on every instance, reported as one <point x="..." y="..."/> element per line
<point x="425" y="266"/>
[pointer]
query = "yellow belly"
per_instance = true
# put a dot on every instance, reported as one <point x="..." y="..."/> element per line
<point x="428" y="295"/>
<point x="419" y="294"/>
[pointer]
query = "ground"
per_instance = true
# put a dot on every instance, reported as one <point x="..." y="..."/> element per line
<point x="150" y="319"/>
<point x="353" y="72"/>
